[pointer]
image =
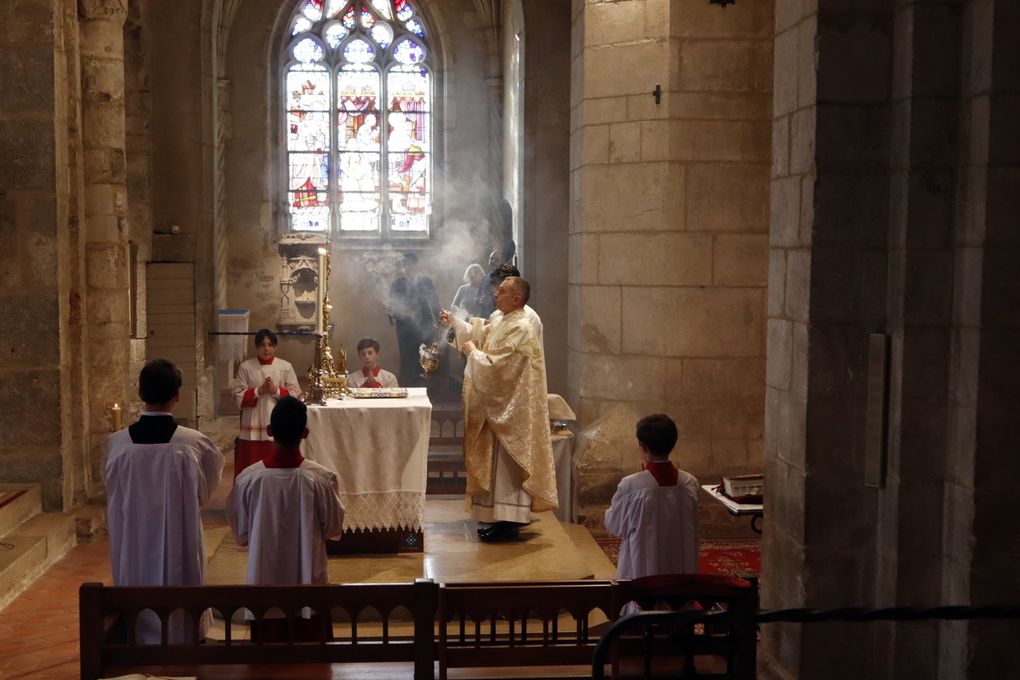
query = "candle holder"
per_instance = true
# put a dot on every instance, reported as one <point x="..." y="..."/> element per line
<point x="327" y="379"/>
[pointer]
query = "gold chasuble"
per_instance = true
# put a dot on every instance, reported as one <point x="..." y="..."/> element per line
<point x="505" y="397"/>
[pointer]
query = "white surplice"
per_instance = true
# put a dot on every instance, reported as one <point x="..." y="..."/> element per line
<point x="657" y="525"/>
<point x="251" y="374"/>
<point x="284" y="516"/>
<point x="153" y="494"/>
<point x="385" y="378"/>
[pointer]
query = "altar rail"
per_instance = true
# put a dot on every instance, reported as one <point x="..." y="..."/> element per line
<point x="462" y="625"/>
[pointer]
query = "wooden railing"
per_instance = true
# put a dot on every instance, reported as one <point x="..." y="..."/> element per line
<point x="462" y="625"/>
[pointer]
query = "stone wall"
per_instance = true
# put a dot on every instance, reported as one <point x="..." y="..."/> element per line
<point x="885" y="220"/>
<point x="668" y="221"/>
<point x="34" y="263"/>
<point x="545" y="190"/>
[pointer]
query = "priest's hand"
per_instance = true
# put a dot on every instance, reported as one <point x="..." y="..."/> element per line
<point x="468" y="347"/>
<point x="445" y="318"/>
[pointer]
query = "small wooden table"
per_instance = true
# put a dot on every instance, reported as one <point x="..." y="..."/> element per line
<point x="754" y="510"/>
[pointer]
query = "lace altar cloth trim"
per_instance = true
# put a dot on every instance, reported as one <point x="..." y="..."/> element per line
<point x="384" y="510"/>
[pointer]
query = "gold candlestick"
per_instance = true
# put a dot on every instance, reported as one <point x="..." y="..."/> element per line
<point x="326" y="379"/>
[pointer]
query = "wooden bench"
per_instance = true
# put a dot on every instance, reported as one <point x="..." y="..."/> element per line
<point x="462" y="625"/>
<point x="102" y="607"/>
<point x="522" y="623"/>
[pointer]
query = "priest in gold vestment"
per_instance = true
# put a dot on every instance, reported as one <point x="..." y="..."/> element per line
<point x="507" y="444"/>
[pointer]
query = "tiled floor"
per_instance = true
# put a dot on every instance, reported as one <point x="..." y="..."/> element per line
<point x="39" y="629"/>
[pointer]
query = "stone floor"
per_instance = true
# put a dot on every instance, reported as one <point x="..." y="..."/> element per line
<point x="39" y="629"/>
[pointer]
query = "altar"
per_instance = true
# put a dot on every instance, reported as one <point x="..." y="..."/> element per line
<point x="379" y="449"/>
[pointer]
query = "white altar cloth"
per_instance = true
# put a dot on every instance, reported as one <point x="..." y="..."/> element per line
<point x="379" y="448"/>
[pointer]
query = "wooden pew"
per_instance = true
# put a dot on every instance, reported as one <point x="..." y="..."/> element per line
<point x="522" y="623"/>
<point x="101" y="607"/>
<point x="496" y="624"/>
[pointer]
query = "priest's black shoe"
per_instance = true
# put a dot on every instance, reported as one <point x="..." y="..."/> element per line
<point x="500" y="531"/>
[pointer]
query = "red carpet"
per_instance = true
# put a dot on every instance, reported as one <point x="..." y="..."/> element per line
<point x="729" y="557"/>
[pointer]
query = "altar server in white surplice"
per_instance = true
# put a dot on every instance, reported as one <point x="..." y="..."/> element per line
<point x="261" y="381"/>
<point x="371" y="374"/>
<point x="655" y="512"/>
<point x="507" y="443"/>
<point x="157" y="474"/>
<point x="284" y="508"/>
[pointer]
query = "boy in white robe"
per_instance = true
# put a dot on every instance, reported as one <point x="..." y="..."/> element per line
<point x="283" y="508"/>
<point x="371" y="374"/>
<point x="655" y="512"/>
<point x="260" y="383"/>
<point x="157" y="474"/>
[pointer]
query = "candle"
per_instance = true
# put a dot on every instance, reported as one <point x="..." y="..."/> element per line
<point x="116" y="417"/>
<point x="323" y="273"/>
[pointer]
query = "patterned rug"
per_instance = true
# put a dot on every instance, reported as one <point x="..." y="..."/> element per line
<point x="729" y="557"/>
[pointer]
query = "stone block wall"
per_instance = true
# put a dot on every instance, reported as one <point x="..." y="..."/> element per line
<point x="883" y="146"/>
<point x="35" y="260"/>
<point x="669" y="221"/>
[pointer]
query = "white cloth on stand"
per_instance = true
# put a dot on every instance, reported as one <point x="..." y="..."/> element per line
<point x="657" y="525"/>
<point x="250" y="375"/>
<point x="284" y="516"/>
<point x="379" y="449"/>
<point x="153" y="494"/>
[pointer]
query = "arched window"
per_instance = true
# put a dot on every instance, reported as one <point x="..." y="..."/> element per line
<point x="358" y="98"/>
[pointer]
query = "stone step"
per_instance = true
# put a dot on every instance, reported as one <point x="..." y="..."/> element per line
<point x="37" y="543"/>
<point x="589" y="551"/>
<point x="20" y="501"/>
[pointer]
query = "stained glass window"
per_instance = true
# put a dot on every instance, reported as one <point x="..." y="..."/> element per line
<point x="358" y="92"/>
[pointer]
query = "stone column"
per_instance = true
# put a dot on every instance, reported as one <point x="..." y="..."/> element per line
<point x="107" y="301"/>
<point x="668" y="224"/>
<point x="35" y="254"/>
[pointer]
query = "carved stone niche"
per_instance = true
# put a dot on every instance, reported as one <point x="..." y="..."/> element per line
<point x="299" y="281"/>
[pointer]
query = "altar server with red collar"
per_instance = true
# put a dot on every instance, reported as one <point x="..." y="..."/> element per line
<point x="655" y="512"/>
<point x="260" y="383"/>
<point x="284" y="507"/>
<point x="370" y="375"/>
<point x="157" y="474"/>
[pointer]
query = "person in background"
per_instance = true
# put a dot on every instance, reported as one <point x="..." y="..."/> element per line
<point x="413" y="310"/>
<point x="654" y="512"/>
<point x="157" y="474"/>
<point x="261" y="382"/>
<point x="484" y="301"/>
<point x="466" y="296"/>
<point x="370" y="375"/>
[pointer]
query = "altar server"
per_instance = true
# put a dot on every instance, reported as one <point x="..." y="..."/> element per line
<point x="284" y="507"/>
<point x="261" y="381"/>
<point x="157" y="474"/>
<point x="371" y="374"/>
<point x="507" y="442"/>
<point x="655" y="512"/>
